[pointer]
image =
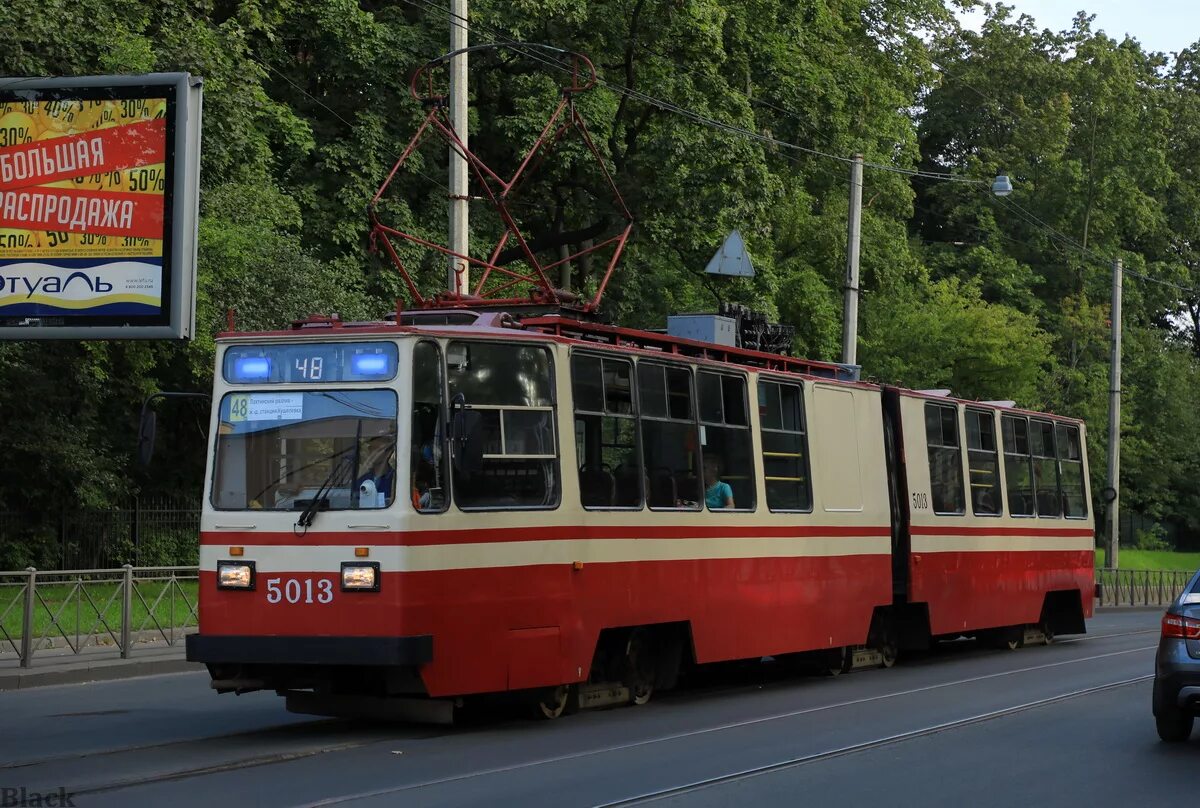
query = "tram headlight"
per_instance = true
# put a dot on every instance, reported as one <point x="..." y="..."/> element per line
<point x="360" y="576"/>
<point x="235" y="575"/>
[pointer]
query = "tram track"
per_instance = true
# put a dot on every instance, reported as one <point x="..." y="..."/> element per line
<point x="217" y="768"/>
<point x="145" y="747"/>
<point x="759" y="720"/>
<point x="864" y="746"/>
<point x="321" y="744"/>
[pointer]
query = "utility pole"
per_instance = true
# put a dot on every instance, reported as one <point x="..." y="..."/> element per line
<point x="853" y="236"/>
<point x="459" y="212"/>
<point x="1114" y="417"/>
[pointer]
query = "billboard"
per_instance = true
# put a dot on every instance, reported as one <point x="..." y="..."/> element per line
<point x="99" y="190"/>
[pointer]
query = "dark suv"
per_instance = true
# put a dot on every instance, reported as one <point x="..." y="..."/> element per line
<point x="1177" y="666"/>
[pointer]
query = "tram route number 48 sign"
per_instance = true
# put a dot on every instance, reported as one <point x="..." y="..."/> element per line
<point x="98" y="206"/>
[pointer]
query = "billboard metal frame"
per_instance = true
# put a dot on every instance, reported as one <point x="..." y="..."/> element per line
<point x="177" y="318"/>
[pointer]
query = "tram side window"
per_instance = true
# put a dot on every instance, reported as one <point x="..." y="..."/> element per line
<point x="784" y="446"/>
<point x="725" y="442"/>
<point x="427" y="464"/>
<point x="1070" y="463"/>
<point x="502" y="409"/>
<point x="610" y="474"/>
<point x="1018" y="469"/>
<point x="1045" y="469"/>
<point x="983" y="463"/>
<point x="945" y="459"/>
<point x="669" y="436"/>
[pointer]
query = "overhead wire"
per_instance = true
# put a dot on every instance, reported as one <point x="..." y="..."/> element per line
<point x="1062" y="239"/>
<point x="705" y="120"/>
<point x="684" y="112"/>
<point x="1033" y="219"/>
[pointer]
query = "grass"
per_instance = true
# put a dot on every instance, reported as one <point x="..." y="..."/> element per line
<point x="79" y="614"/>
<point x="1132" y="559"/>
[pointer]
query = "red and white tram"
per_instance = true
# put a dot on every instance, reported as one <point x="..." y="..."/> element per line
<point x="457" y="502"/>
<point x="407" y="509"/>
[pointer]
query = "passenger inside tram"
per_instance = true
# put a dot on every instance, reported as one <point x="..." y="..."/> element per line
<point x="717" y="494"/>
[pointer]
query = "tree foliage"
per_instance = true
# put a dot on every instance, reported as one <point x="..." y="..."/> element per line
<point x="307" y="107"/>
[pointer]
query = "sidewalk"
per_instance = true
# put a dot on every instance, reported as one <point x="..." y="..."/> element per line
<point x="59" y="666"/>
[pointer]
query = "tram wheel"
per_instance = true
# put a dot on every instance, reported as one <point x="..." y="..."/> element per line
<point x="889" y="653"/>
<point x="1008" y="638"/>
<point x="552" y="702"/>
<point x="1047" y="633"/>
<point x="837" y="661"/>
<point x="641" y="662"/>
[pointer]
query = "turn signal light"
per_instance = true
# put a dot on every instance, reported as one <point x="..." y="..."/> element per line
<point x="1183" y="628"/>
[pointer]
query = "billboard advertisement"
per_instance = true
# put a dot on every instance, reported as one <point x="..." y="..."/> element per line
<point x="98" y="206"/>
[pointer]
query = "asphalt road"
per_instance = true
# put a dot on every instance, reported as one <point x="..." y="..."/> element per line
<point x="1067" y="724"/>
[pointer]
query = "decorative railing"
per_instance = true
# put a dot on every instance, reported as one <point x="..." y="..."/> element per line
<point x="1117" y="587"/>
<point x="75" y="610"/>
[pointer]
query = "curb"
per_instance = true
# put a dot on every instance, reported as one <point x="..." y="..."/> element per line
<point x="99" y="671"/>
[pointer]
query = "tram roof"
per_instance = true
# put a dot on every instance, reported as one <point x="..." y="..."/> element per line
<point x="557" y="328"/>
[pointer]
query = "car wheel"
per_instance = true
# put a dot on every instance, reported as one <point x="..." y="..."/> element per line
<point x="1174" y="726"/>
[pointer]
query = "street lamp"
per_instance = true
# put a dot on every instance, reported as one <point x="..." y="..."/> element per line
<point x="1001" y="186"/>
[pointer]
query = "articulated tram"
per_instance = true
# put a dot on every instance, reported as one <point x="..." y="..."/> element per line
<point x="457" y="502"/>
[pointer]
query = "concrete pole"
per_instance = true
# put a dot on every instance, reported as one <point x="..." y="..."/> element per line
<point x="853" y="236"/>
<point x="459" y="212"/>
<point x="1114" y="417"/>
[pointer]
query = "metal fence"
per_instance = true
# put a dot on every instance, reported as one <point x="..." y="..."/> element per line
<point x="1116" y="587"/>
<point x="141" y="531"/>
<point x="74" y="610"/>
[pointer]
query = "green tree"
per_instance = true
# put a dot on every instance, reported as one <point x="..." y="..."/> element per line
<point x="945" y="335"/>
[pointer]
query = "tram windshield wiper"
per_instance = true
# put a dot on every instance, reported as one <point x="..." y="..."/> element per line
<point x="320" y="500"/>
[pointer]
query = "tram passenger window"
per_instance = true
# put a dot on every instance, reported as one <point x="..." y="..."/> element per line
<point x="428" y="464"/>
<point x="784" y="447"/>
<point x="1045" y="469"/>
<point x="610" y="474"/>
<point x="1018" y="470"/>
<point x="502" y="408"/>
<point x="1070" y="462"/>
<point x="670" y="442"/>
<point x="725" y="442"/>
<point x="983" y="463"/>
<point x="945" y="459"/>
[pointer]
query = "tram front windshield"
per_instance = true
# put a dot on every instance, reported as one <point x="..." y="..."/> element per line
<point x="292" y="450"/>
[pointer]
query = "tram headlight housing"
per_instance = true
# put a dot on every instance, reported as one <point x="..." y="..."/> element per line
<point x="360" y="576"/>
<point x="235" y="574"/>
